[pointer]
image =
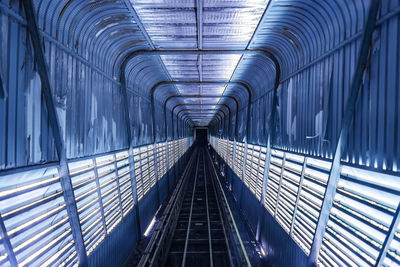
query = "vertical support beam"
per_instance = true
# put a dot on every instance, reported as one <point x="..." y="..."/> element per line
<point x="389" y="237"/>
<point x="165" y="123"/>
<point x="124" y="94"/>
<point x="181" y="128"/>
<point x="130" y="151"/>
<point x="349" y="112"/>
<point x="96" y="175"/>
<point x="280" y="185"/>
<point x="65" y="179"/>
<point x="134" y="192"/>
<point x="243" y="169"/>
<point x="270" y="138"/>
<point x="72" y="211"/>
<point x="167" y="164"/>
<point x="153" y="119"/>
<point x="272" y="123"/>
<point x="7" y="244"/>
<point x="156" y="173"/>
<point x="244" y="161"/>
<point x="118" y="185"/>
<point x="298" y="195"/>
<point x="248" y="119"/>
<point x="173" y="125"/>
<point x="126" y="109"/>
<point x="266" y="172"/>
<point x="233" y="154"/>
<point x="123" y="88"/>
<point x="264" y="187"/>
<point x="232" y="171"/>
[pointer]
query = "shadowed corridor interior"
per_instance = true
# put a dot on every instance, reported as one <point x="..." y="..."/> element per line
<point x="200" y="133"/>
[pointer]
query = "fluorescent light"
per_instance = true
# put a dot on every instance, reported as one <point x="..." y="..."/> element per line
<point x="147" y="232"/>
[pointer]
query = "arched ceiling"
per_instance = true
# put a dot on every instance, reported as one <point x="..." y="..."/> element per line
<point x="108" y="33"/>
<point x="204" y="25"/>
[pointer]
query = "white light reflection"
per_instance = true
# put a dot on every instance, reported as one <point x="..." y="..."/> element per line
<point x="148" y="230"/>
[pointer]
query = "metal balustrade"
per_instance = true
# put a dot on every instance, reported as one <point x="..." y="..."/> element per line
<point x="144" y="169"/>
<point x="364" y="207"/>
<point x="315" y="177"/>
<point x="35" y="218"/>
<point x="363" y="227"/>
<point x="239" y="159"/>
<point x="161" y="160"/>
<point x="34" y="213"/>
<point x="3" y="254"/>
<point x="255" y="164"/>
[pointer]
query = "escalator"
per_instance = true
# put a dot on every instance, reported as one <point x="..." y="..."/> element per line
<point x="197" y="227"/>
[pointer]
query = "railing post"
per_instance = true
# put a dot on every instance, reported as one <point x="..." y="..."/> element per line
<point x="264" y="188"/>
<point x="167" y="164"/>
<point x="233" y="159"/>
<point x="243" y="170"/>
<point x="118" y="185"/>
<point x="96" y="174"/>
<point x="298" y="195"/>
<point x="266" y="172"/>
<point x="156" y="173"/>
<point x="65" y="179"/>
<point x="134" y="192"/>
<point x="130" y="151"/>
<point x="389" y="237"/>
<point x="7" y="244"/>
<point x="348" y="116"/>
<point x="280" y="185"/>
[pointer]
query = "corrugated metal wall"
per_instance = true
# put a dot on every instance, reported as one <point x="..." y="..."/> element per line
<point x="88" y="100"/>
<point x="25" y="137"/>
<point x="81" y="42"/>
<point x="286" y="192"/>
<point x="312" y="98"/>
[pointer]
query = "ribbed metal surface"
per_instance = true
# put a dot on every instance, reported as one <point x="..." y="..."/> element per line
<point x="25" y="136"/>
<point x="365" y="204"/>
<point x="202" y="25"/>
<point x="36" y="220"/>
<point x="89" y="48"/>
<point x="317" y="47"/>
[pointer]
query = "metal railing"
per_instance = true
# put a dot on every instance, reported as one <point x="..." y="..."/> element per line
<point x="157" y="248"/>
<point x="34" y="221"/>
<point x="363" y="225"/>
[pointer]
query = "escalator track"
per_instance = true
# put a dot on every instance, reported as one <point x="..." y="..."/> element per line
<point x="197" y="227"/>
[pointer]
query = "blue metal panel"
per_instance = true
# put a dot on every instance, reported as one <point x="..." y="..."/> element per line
<point x="117" y="246"/>
<point x="21" y="112"/>
<point x="317" y="66"/>
<point x="65" y="180"/>
<point x="349" y="113"/>
<point x="89" y="45"/>
<point x="140" y="114"/>
<point x="281" y="250"/>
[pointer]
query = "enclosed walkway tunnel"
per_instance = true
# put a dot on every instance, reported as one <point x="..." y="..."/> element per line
<point x="139" y="132"/>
